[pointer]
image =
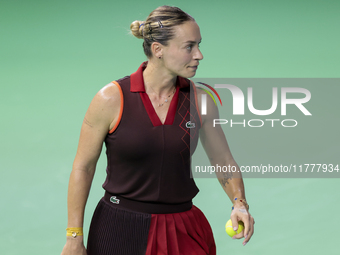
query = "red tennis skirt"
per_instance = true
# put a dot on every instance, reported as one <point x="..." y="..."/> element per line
<point x="120" y="231"/>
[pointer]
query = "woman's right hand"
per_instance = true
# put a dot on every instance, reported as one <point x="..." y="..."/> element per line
<point x="74" y="246"/>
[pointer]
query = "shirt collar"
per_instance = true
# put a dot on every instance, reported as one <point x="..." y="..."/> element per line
<point x="137" y="81"/>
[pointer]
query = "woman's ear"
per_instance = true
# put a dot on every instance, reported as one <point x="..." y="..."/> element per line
<point x="157" y="49"/>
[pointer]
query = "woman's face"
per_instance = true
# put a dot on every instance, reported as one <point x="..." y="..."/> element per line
<point x="182" y="55"/>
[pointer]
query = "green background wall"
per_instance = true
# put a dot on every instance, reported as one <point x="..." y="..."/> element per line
<point x="55" y="55"/>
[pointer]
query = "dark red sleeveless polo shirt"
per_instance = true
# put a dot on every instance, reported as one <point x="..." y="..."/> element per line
<point x="150" y="162"/>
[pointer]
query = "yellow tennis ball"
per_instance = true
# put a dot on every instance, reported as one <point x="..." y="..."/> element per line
<point x="229" y="228"/>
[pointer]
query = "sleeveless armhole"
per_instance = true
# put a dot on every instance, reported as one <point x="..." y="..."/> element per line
<point x="196" y="101"/>
<point x="121" y="107"/>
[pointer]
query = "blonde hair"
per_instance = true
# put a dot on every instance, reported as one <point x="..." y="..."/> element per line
<point x="159" y="26"/>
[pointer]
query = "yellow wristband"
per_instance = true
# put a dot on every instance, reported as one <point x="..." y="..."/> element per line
<point x="74" y="232"/>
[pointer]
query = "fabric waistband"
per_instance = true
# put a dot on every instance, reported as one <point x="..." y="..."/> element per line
<point x="145" y="207"/>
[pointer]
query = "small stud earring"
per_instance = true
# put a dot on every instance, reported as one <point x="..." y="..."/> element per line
<point x="160" y="57"/>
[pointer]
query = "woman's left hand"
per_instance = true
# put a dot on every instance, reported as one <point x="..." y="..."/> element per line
<point x="240" y="213"/>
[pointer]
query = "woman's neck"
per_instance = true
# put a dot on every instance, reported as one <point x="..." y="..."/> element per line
<point x="157" y="80"/>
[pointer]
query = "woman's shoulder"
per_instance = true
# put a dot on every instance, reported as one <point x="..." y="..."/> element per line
<point x="105" y="105"/>
<point x="109" y="95"/>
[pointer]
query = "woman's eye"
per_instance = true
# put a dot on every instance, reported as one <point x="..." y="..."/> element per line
<point x="189" y="47"/>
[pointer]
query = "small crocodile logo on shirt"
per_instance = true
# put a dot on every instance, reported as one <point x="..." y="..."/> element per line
<point x="114" y="200"/>
<point x="190" y="125"/>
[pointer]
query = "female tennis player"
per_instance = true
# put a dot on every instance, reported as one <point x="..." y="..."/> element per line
<point x="150" y="122"/>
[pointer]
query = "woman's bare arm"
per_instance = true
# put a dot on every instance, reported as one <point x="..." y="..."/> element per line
<point x="100" y="117"/>
<point x="218" y="152"/>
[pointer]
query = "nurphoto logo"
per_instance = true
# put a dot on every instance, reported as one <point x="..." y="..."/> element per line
<point x="238" y="105"/>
